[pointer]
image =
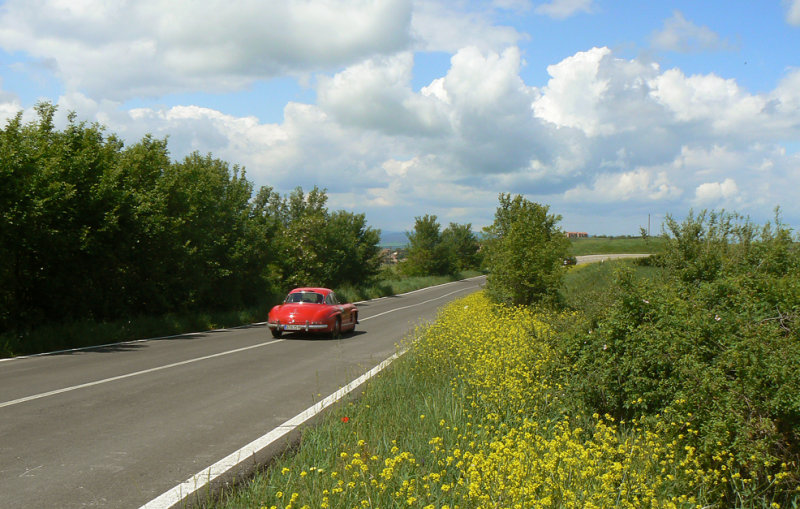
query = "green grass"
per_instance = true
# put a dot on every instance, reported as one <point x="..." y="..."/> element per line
<point x="374" y="426"/>
<point x="587" y="287"/>
<point x="49" y="338"/>
<point x="609" y="245"/>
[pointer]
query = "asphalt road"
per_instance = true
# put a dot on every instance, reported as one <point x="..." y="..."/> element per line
<point x="120" y="425"/>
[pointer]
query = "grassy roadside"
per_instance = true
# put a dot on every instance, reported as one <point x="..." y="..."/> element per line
<point x="586" y="286"/>
<point x="490" y="418"/>
<point x="50" y="338"/>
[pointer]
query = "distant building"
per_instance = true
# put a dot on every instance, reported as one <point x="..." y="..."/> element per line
<point x="392" y="256"/>
<point x="576" y="235"/>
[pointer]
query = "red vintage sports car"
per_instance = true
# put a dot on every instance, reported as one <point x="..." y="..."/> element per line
<point x="312" y="310"/>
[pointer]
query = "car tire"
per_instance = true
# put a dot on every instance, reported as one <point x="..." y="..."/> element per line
<point x="276" y="333"/>
<point x="336" y="333"/>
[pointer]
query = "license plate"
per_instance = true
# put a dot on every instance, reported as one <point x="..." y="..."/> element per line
<point x="292" y="327"/>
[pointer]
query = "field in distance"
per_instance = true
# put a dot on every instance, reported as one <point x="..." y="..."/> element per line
<point x="608" y="245"/>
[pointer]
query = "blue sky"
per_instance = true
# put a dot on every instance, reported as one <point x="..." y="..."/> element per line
<point x="607" y="111"/>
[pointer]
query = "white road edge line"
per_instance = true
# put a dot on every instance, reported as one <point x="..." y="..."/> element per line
<point x="129" y="375"/>
<point x="208" y="475"/>
<point x="422" y="289"/>
<point x="189" y="361"/>
<point x="413" y="305"/>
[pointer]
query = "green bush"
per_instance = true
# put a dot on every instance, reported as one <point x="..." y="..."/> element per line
<point x="714" y="342"/>
<point x="525" y="252"/>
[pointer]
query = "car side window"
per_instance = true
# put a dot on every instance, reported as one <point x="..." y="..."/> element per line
<point x="331" y="299"/>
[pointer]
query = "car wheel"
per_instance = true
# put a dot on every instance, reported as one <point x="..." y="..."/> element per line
<point x="337" y="329"/>
<point x="276" y="333"/>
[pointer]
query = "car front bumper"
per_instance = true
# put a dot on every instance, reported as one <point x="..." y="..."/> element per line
<point x="297" y="327"/>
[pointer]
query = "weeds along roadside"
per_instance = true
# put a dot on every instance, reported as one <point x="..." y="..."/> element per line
<point x="483" y="412"/>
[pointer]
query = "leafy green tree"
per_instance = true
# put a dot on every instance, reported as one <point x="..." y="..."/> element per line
<point x="427" y="254"/>
<point x="322" y="248"/>
<point x="352" y="253"/>
<point x="463" y="246"/>
<point x="144" y="237"/>
<point x="92" y="230"/>
<point x="207" y="214"/>
<point x="525" y="252"/>
<point x="301" y="239"/>
<point x="59" y="220"/>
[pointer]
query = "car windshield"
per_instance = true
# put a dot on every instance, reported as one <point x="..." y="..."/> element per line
<point x="312" y="297"/>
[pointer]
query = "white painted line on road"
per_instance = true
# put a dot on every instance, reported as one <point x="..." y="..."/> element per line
<point x="182" y="363"/>
<point x="130" y="342"/>
<point x="421" y="289"/>
<point x="95" y="347"/>
<point x="129" y="375"/>
<point x="210" y="474"/>
<point x="412" y="305"/>
<point x="206" y="476"/>
<point x="437" y="286"/>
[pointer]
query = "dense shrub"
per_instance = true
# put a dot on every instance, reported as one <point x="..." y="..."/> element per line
<point x="715" y="343"/>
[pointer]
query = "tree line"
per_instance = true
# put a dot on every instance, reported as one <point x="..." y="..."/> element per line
<point x="92" y="229"/>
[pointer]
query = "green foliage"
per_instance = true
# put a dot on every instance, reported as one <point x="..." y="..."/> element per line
<point x="319" y="248"/>
<point x="91" y="230"/>
<point x="463" y="246"/>
<point x="525" y="252"/>
<point x="713" y="342"/>
<point x="428" y="255"/>
<point x="588" y="287"/>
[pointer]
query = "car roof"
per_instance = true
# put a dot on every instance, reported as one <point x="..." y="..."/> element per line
<point x="323" y="291"/>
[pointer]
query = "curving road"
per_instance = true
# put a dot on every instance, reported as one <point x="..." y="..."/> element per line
<point x="121" y="425"/>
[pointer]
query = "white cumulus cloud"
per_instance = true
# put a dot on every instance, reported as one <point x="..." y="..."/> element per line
<point x="376" y="94"/>
<point x="605" y="137"/>
<point x="713" y="193"/>
<point x="118" y="50"/>
<point x="641" y="184"/>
